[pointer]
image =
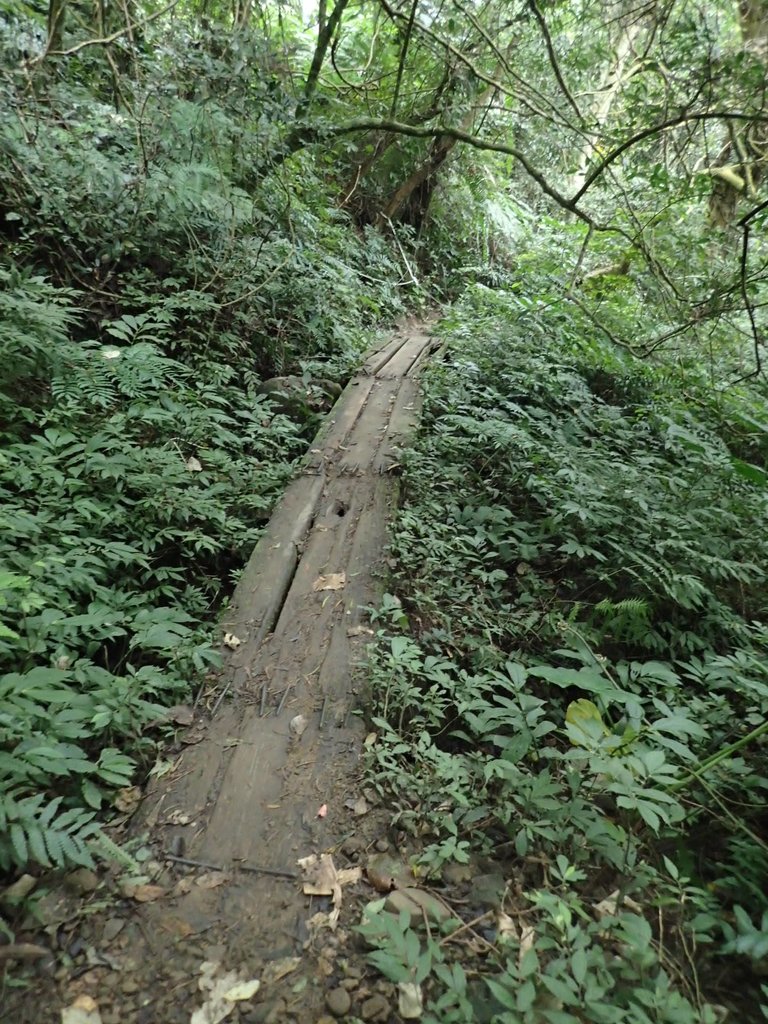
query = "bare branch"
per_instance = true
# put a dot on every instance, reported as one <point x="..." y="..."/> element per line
<point x="646" y="133"/>
<point x="104" y="40"/>
<point x="553" y="57"/>
<point x="441" y="131"/>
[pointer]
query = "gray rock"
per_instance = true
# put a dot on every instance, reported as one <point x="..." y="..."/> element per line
<point x="339" y="1002"/>
<point x="375" y="1008"/>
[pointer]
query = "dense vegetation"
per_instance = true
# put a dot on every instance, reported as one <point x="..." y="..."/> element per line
<point x="197" y="197"/>
<point x="573" y="679"/>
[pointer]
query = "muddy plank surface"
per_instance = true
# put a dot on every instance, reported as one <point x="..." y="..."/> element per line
<point x="272" y="774"/>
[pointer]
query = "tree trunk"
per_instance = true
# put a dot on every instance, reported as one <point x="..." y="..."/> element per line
<point x="741" y="163"/>
<point x="57" y="10"/>
<point x="624" y="45"/>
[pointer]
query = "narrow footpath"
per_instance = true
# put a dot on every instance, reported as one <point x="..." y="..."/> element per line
<point x="270" y="774"/>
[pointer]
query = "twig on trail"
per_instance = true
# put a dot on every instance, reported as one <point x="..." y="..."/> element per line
<point x="467" y="926"/>
<point x="188" y="862"/>
<point x="322" y="712"/>
<point x="283" y="699"/>
<point x="23" y="951"/>
<point x="263" y="704"/>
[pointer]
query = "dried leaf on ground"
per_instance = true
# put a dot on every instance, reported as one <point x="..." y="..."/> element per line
<point x="212" y="879"/>
<point x="527" y="941"/>
<point x="331" y="581"/>
<point x="298" y="724"/>
<point x="358" y="806"/>
<point x="322" y="810"/>
<point x="128" y="799"/>
<point x="609" y="906"/>
<point x="144" y="893"/>
<point x="181" y="714"/>
<point x="410" y="1000"/>
<point x="84" y="1010"/>
<point x="386" y="872"/>
<point x="322" y="879"/>
<point x="178" y="817"/>
<point x="276" y="970"/>
<point x="360" y="631"/>
<point x="224" y="989"/>
<point x="194" y="465"/>
<point x="231" y="641"/>
<point x="243" y="990"/>
<point x="506" y="927"/>
<point x="182" y="887"/>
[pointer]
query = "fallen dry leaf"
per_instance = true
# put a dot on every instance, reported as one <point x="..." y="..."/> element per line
<point x="144" y="893"/>
<point x="275" y="970"/>
<point x="505" y="926"/>
<point x="609" y="906"/>
<point x="243" y="990"/>
<point x="370" y="739"/>
<point x="298" y="725"/>
<point x="527" y="940"/>
<point x="181" y="714"/>
<point x="182" y="887"/>
<point x="128" y="799"/>
<point x="212" y="880"/>
<point x="322" y="810"/>
<point x="322" y="879"/>
<point x="410" y="1000"/>
<point x="360" y="631"/>
<point x="358" y="806"/>
<point x="84" y="1010"/>
<point x="178" y="817"/>
<point x="231" y="641"/>
<point x="194" y="465"/>
<point x="386" y="872"/>
<point x="216" y="983"/>
<point x="331" y="581"/>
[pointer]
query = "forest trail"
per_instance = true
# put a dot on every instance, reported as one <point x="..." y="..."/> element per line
<point x="247" y="789"/>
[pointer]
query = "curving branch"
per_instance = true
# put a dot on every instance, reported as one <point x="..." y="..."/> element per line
<point x="127" y="30"/>
<point x="459" y="135"/>
<point x="646" y="133"/>
<point x="553" y="57"/>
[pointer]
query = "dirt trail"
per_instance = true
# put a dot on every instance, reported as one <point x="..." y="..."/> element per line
<point x="248" y="792"/>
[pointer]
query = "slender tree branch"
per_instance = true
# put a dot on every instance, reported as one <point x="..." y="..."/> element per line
<point x="748" y="305"/>
<point x="105" y="40"/>
<point x="471" y="66"/>
<point x="553" y="57"/>
<point x="418" y="132"/>
<point x="403" y="55"/>
<point x="325" y="34"/>
<point x="646" y="133"/>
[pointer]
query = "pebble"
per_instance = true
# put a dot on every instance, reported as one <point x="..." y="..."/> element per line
<point x="375" y="1008"/>
<point x="338" y="1002"/>
<point x="352" y="846"/>
<point x="349" y="984"/>
<point x="82" y="881"/>
<point x="112" y="929"/>
<point x="277" y="1013"/>
<point x="382" y="845"/>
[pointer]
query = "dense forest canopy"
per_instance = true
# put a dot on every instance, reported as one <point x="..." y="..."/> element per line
<point x="197" y="198"/>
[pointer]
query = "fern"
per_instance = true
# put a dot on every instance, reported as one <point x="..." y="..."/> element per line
<point x="30" y="831"/>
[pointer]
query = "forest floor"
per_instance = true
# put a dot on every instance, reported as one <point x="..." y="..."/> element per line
<point x="266" y="772"/>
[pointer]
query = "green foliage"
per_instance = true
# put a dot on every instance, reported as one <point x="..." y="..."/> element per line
<point x="572" y="666"/>
<point x="149" y="280"/>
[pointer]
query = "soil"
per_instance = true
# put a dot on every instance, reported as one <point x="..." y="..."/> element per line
<point x="267" y="772"/>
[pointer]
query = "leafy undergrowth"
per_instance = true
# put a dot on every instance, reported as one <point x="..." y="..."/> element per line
<point x="572" y="681"/>
<point x="148" y="285"/>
